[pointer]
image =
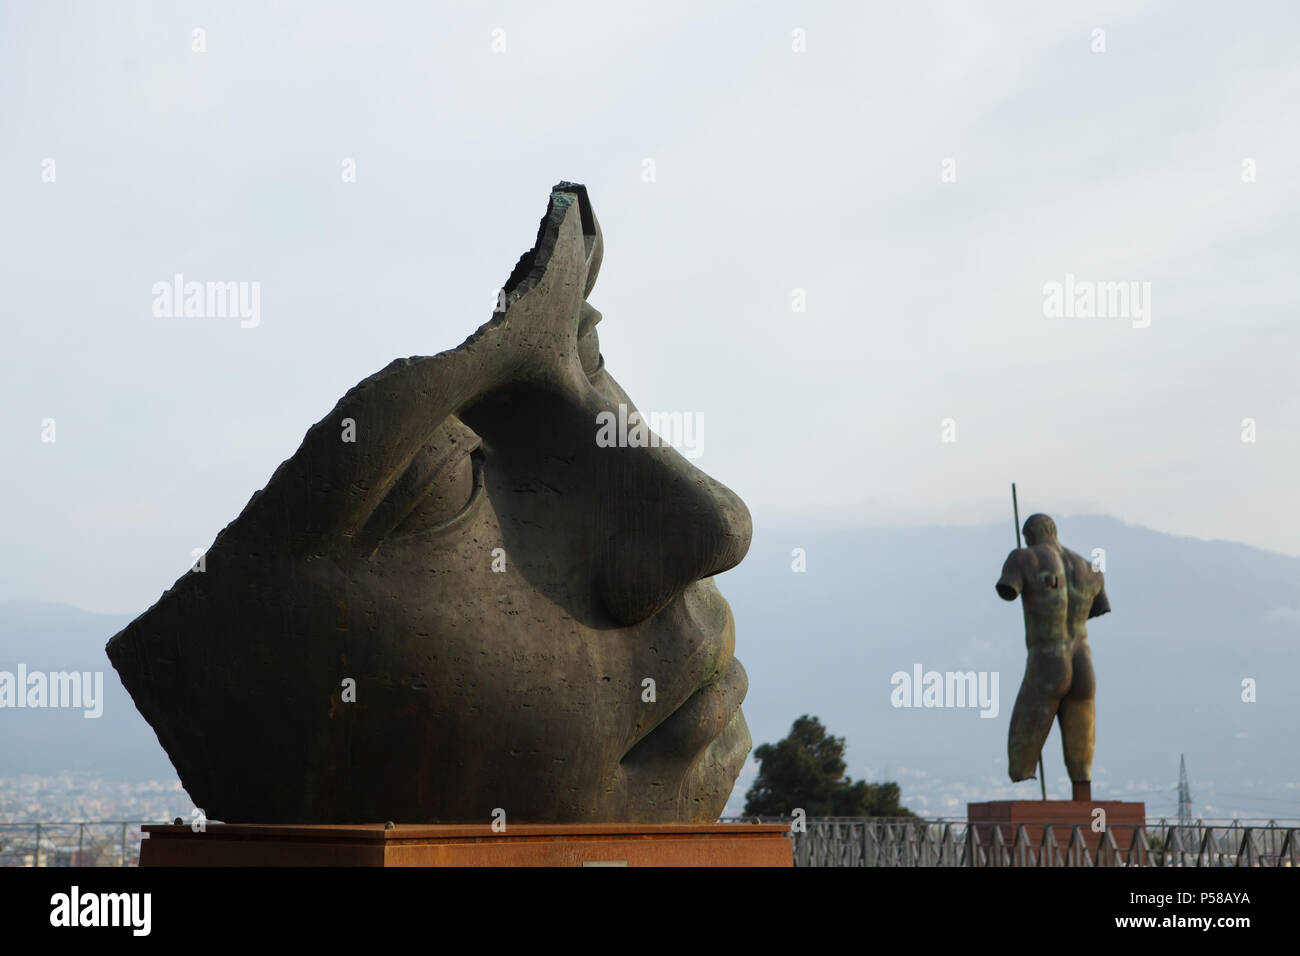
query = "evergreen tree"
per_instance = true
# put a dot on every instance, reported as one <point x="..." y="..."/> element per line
<point x="806" y="769"/>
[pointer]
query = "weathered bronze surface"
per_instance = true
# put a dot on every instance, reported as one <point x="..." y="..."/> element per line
<point x="449" y="604"/>
<point x="1059" y="591"/>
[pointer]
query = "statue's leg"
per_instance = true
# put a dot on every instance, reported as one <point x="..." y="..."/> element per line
<point x="1078" y="716"/>
<point x="1047" y="678"/>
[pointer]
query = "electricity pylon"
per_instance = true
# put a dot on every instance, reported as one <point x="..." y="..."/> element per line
<point x="1184" y="794"/>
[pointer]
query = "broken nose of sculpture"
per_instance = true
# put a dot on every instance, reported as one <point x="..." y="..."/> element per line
<point x="667" y="538"/>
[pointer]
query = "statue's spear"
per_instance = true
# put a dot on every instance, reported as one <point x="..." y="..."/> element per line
<point x="1015" y="508"/>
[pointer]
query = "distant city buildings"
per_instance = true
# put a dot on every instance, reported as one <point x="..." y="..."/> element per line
<point x="30" y="798"/>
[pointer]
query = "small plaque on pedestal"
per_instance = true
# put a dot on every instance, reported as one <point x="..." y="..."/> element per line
<point x="596" y="844"/>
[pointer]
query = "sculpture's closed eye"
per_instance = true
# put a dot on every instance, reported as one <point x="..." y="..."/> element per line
<point x="440" y="487"/>
<point x="446" y="503"/>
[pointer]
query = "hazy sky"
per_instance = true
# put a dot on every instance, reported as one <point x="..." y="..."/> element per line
<point x="774" y="170"/>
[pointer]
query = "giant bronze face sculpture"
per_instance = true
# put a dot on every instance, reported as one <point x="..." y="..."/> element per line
<point x="453" y="599"/>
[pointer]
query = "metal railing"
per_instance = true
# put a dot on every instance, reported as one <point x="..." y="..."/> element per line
<point x="99" y="843"/>
<point x="825" y="841"/>
<point x="915" y="842"/>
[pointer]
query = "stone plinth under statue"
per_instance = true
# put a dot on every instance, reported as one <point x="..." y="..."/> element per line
<point x="598" y="844"/>
<point x="1004" y="818"/>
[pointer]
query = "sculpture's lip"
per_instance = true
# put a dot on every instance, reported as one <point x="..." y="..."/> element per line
<point x="732" y="693"/>
<point x="735" y="740"/>
<point x="729" y="694"/>
<point x="699" y="721"/>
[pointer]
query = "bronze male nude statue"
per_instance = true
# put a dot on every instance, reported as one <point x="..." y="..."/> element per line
<point x="1060" y="591"/>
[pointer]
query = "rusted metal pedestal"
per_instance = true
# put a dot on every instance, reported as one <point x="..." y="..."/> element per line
<point x="600" y="844"/>
<point x="1121" y="818"/>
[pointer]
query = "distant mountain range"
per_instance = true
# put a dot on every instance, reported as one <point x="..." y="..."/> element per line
<point x="1191" y="620"/>
<point x="55" y="637"/>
